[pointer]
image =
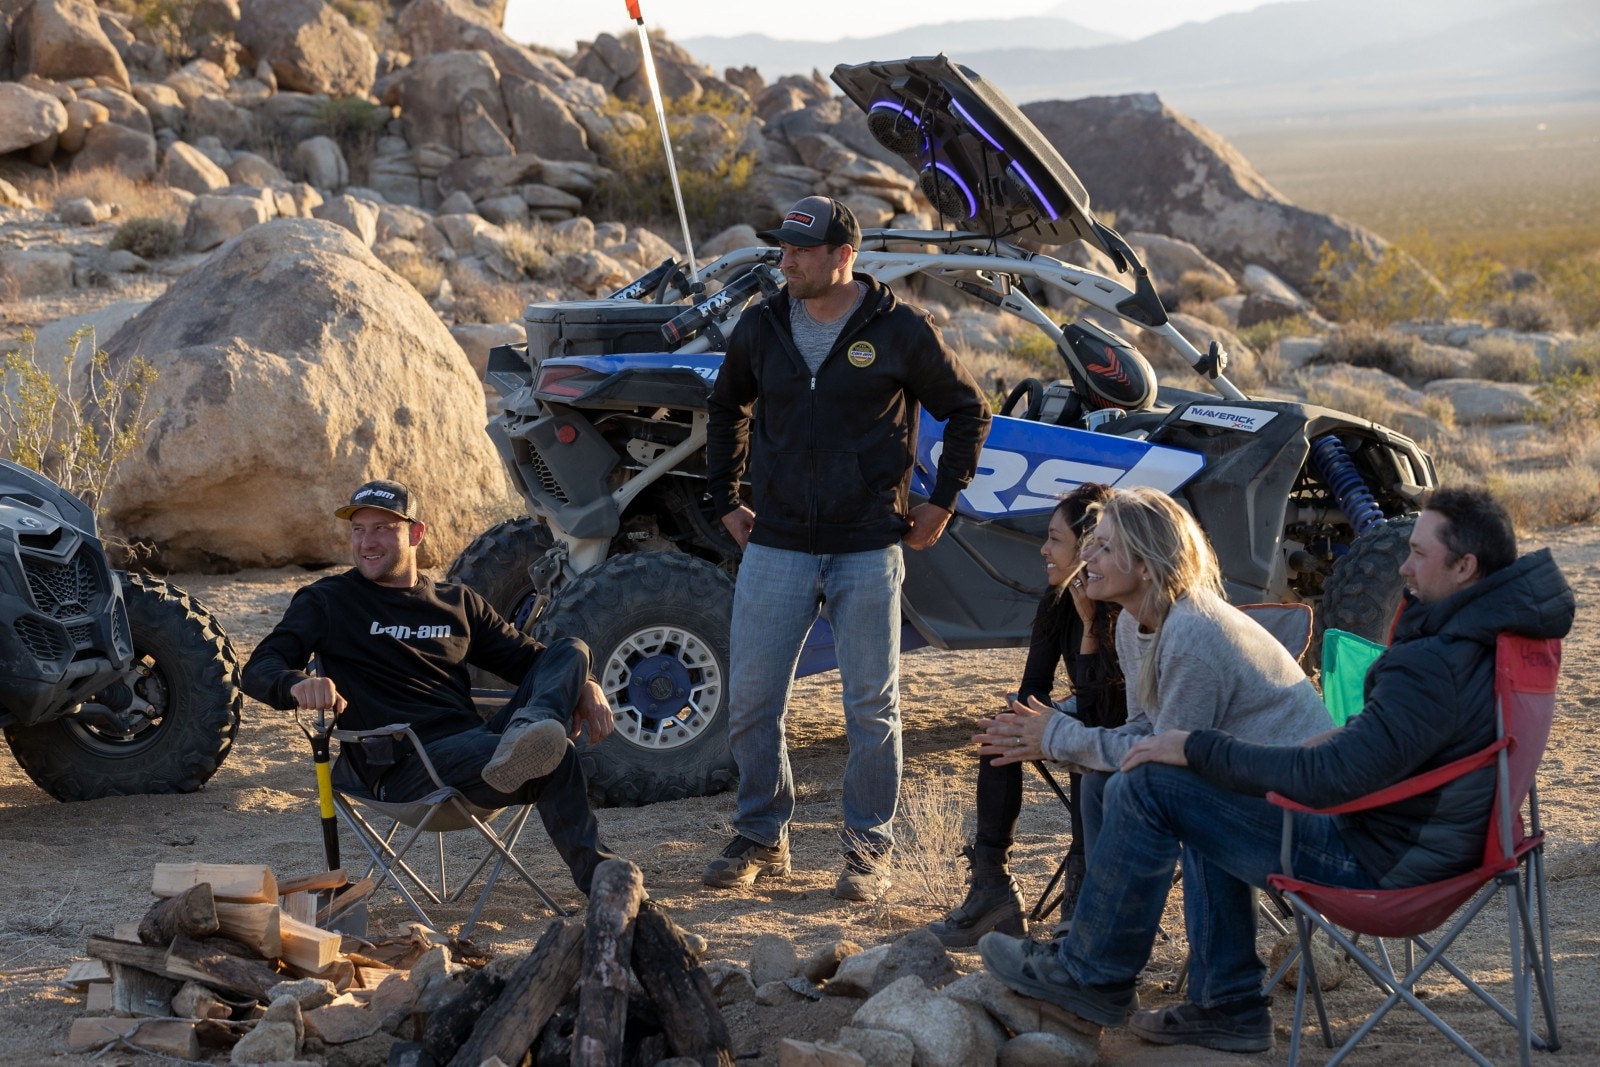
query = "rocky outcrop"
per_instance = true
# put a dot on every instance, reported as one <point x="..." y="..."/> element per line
<point x="28" y="117"/>
<point x="290" y="369"/>
<point x="310" y="46"/>
<point x="429" y="27"/>
<point x="62" y="39"/>
<point x="1164" y="172"/>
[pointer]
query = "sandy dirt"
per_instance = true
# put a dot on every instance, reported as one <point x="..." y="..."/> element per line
<point x="75" y="870"/>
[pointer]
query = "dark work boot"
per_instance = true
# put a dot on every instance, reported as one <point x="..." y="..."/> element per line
<point x="993" y="902"/>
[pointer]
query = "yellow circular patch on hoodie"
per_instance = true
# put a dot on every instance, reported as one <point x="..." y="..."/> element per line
<point x="861" y="354"/>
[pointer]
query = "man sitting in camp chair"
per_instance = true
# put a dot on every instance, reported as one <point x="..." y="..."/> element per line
<point x="393" y="647"/>
<point x="1429" y="701"/>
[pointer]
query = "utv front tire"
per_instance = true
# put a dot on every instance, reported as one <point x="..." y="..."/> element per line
<point x="657" y="626"/>
<point x="1365" y="589"/>
<point x="185" y="669"/>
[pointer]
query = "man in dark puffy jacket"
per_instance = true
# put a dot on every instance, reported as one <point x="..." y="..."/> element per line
<point x="1429" y="701"/>
<point x="817" y="401"/>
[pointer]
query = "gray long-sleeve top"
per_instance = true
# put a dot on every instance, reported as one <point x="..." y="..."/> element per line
<point x="1217" y="669"/>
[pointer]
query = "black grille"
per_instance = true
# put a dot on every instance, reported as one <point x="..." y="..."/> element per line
<point x="61" y="590"/>
<point x="547" y="480"/>
<point x="82" y="636"/>
<point x="42" y="641"/>
<point x="120" y="637"/>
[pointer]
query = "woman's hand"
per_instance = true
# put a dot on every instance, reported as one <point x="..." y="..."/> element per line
<point x="1080" y="598"/>
<point x="1165" y="747"/>
<point x="1016" y="736"/>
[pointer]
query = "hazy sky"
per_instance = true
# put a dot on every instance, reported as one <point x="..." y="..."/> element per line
<point x="560" y="23"/>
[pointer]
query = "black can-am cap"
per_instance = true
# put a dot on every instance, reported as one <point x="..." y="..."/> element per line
<point x="385" y="495"/>
<point x="818" y="220"/>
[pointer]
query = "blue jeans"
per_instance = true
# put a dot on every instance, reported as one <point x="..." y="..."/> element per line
<point x="1229" y="842"/>
<point x="778" y="596"/>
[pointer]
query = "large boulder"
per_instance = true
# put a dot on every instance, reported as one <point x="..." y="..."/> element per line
<point x="293" y="366"/>
<point x="542" y="123"/>
<point x="1166" y="173"/>
<point x="310" y="46"/>
<point x="62" y="39"/>
<point x="439" y="91"/>
<point x="28" y="117"/>
<point x="429" y="27"/>
<point x="186" y="167"/>
<point x="109" y="146"/>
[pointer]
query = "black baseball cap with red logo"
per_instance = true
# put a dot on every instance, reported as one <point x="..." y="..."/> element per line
<point x="385" y="495"/>
<point x="818" y="220"/>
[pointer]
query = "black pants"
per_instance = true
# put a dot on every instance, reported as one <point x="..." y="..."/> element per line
<point x="561" y="797"/>
<point x="1000" y="802"/>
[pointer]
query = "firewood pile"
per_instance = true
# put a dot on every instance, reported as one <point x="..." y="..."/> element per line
<point x="232" y="965"/>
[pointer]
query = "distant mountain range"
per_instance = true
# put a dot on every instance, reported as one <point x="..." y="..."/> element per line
<point x="1312" y="58"/>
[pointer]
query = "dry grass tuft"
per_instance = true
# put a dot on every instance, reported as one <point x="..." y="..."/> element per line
<point x="480" y="297"/>
<point x="134" y="199"/>
<point x="424" y="273"/>
<point x="932" y="833"/>
<point x="1199" y="287"/>
<point x="1501" y="359"/>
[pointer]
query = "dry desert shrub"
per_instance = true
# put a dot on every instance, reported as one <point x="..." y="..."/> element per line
<point x="1579" y="356"/>
<point x="1559" y="496"/>
<point x="537" y="250"/>
<point x="932" y="833"/>
<point x="134" y="199"/>
<point x="149" y="238"/>
<point x="1199" y="287"/>
<point x="1263" y="335"/>
<point x="423" y="273"/>
<point x="1364" y="345"/>
<point x="480" y="297"/>
<point x="1501" y="359"/>
<point x="1343" y="391"/>
<point x="1533" y="312"/>
<point x="1208" y="313"/>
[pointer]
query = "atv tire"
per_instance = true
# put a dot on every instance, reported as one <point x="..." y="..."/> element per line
<point x="1365" y="589"/>
<point x="657" y="626"/>
<point x="186" y="669"/>
<point x="495" y="565"/>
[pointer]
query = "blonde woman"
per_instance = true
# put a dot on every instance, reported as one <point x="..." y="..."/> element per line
<point x="1192" y="662"/>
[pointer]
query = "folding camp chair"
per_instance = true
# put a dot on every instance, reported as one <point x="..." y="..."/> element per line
<point x="1291" y="625"/>
<point x="1513" y="863"/>
<point x="440" y="812"/>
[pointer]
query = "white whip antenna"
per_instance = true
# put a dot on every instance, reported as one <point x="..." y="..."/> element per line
<point x="666" y="141"/>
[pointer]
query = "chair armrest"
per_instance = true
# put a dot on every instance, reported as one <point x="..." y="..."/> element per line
<point x="1410" y="787"/>
<point x="395" y="730"/>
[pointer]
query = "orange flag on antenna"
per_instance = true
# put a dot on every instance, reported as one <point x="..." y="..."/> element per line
<point x="633" y="11"/>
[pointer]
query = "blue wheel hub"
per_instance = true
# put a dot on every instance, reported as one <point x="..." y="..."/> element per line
<point x="659" y="686"/>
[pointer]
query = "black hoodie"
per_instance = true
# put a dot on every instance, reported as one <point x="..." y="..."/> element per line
<point x="1429" y="701"/>
<point x="830" y="460"/>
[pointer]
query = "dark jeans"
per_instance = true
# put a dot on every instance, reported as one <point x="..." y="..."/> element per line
<point x="1000" y="804"/>
<point x="1229" y="842"/>
<point x="561" y="797"/>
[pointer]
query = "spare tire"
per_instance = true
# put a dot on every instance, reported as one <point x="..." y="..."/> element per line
<point x="1365" y="589"/>
<point x="184" y="684"/>
<point x="657" y="625"/>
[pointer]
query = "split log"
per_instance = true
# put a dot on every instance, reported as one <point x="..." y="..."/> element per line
<point x="83" y="972"/>
<point x="195" y="1001"/>
<point x="305" y="946"/>
<point x="192" y="913"/>
<point x="126" y="931"/>
<point x="256" y="926"/>
<point x="190" y="959"/>
<point x="680" y="989"/>
<point x="533" y="991"/>
<point x="603" y="988"/>
<point x="169" y="1037"/>
<point x="97" y="1001"/>
<point x="242" y="883"/>
<point x="452" y="1024"/>
<point x="152" y="958"/>
<point x="302" y="905"/>
<point x="334" y="879"/>
<point x="135" y="991"/>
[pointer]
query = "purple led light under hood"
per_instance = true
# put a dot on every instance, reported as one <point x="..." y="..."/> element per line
<point x="950" y="172"/>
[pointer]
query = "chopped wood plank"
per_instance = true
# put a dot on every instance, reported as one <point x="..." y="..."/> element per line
<point x="135" y="991"/>
<point x="191" y="913"/>
<point x="307" y="947"/>
<point x="126" y="931"/>
<point x="81" y="972"/>
<point x="98" y="998"/>
<point x="134" y="953"/>
<point x="533" y="991"/>
<point x="244" y="883"/>
<point x="169" y="1037"/>
<point x="334" y="879"/>
<point x="302" y="905"/>
<point x="346" y="899"/>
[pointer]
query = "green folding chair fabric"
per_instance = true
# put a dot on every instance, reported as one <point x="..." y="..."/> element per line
<point x="1345" y="659"/>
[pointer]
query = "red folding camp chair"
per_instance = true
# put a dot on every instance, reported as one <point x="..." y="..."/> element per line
<point x="1513" y="863"/>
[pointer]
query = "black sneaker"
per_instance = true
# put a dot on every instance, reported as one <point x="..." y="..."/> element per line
<point x="865" y="877"/>
<point x="743" y="861"/>
<point x="1243" y="1027"/>
<point x="1035" y="970"/>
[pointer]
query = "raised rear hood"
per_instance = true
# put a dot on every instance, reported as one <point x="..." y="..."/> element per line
<point x="977" y="157"/>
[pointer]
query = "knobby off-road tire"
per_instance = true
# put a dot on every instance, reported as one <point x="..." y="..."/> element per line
<point x="1365" y="589"/>
<point x="657" y="625"/>
<point x="186" y="668"/>
<point x="495" y="565"/>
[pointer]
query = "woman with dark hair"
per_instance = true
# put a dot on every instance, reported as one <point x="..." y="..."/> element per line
<point x="1069" y="630"/>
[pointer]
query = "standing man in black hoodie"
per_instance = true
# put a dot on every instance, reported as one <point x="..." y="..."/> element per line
<point x="1429" y="702"/>
<point x="817" y="403"/>
<point x="393" y="646"/>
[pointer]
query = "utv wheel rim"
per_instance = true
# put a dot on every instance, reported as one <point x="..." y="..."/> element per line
<point x="664" y="685"/>
<point x="150" y="687"/>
